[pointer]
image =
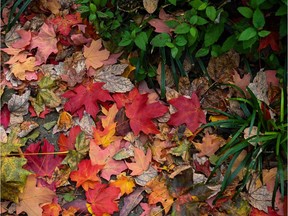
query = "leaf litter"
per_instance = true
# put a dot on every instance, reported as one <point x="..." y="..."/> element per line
<point x="119" y="148"/>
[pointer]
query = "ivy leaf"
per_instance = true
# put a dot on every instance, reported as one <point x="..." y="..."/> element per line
<point x="142" y="161"/>
<point x="86" y="175"/>
<point x="141" y="113"/>
<point x="32" y="197"/>
<point x="85" y="98"/>
<point x="188" y="112"/>
<point x="102" y="199"/>
<point x="42" y="165"/>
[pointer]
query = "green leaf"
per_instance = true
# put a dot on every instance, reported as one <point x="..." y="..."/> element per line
<point x="193" y="32"/>
<point x="183" y="28"/>
<point x="93" y="7"/>
<point x="126" y="39"/>
<point x="201" y="21"/>
<point x="282" y="11"/>
<point x="100" y="14"/>
<point x="83" y="9"/>
<point x="92" y="17"/>
<point x="174" y="52"/>
<point x="256" y="3"/>
<point x="216" y="50"/>
<point x="172" y="23"/>
<point x="263" y="33"/>
<point x="203" y="6"/>
<point x="173" y="2"/>
<point x="247" y="34"/>
<point x="160" y="40"/>
<point x="180" y="40"/>
<point x="202" y="52"/>
<point x="212" y="34"/>
<point x="245" y="11"/>
<point x="211" y="13"/>
<point x="258" y="19"/>
<point x="193" y="20"/>
<point x="249" y="43"/>
<point x="141" y="41"/>
<point x="229" y="43"/>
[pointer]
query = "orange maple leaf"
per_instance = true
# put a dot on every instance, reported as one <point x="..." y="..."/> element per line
<point x="16" y="55"/>
<point x="106" y="136"/>
<point x="210" y="144"/>
<point x="94" y="56"/>
<point x="19" y="69"/>
<point x="142" y="161"/>
<point x="160" y="193"/>
<point x="109" y="115"/>
<point x="86" y="175"/>
<point x="52" y="209"/>
<point x="32" y="197"/>
<point x="125" y="183"/>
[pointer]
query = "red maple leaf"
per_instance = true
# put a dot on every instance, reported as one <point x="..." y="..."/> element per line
<point x="85" y="97"/>
<point x="123" y="99"/>
<point x="272" y="39"/>
<point x="68" y="142"/>
<point x="141" y="113"/>
<point x="103" y="199"/>
<point x="5" y="116"/>
<point x="42" y="165"/>
<point x="86" y="175"/>
<point x="64" y="23"/>
<point x="188" y="112"/>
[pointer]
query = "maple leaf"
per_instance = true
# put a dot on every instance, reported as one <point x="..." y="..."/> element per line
<point x="105" y="157"/>
<point x="32" y="197"/>
<point x="46" y="42"/>
<point x="160" y="193"/>
<point x="242" y="83"/>
<point x="94" y="56"/>
<point x="5" y="116"/>
<point x="42" y="165"/>
<point x="64" y="24"/>
<point x="68" y="142"/>
<point x="17" y="55"/>
<point x="52" y="209"/>
<point x="86" y="97"/>
<point x="141" y="114"/>
<point x="106" y="136"/>
<point x="86" y="175"/>
<point x="125" y="183"/>
<point x="24" y="41"/>
<point x="142" y="161"/>
<point x="103" y="199"/>
<point x="109" y="115"/>
<point x="19" y="69"/>
<point x="123" y="99"/>
<point x="210" y="144"/>
<point x="188" y="112"/>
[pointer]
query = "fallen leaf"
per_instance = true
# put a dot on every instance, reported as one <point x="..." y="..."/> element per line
<point x="71" y="211"/>
<point x="141" y="114"/>
<point x="111" y="76"/>
<point x="46" y="42"/>
<point x="210" y="144"/>
<point x="64" y="24"/>
<point x="5" y="116"/>
<point x="106" y="136"/>
<point x="64" y="121"/>
<point x="125" y="183"/>
<point x="42" y="165"/>
<point x="188" y="112"/>
<point x="109" y="115"/>
<point x="17" y="55"/>
<point x="146" y="176"/>
<point x="131" y="201"/>
<point x="86" y="175"/>
<point x="142" y="161"/>
<point x="259" y="87"/>
<point x="150" y="5"/>
<point x="52" y="209"/>
<point x="25" y="39"/>
<point x="18" y="104"/>
<point x="77" y="99"/>
<point x="19" y="69"/>
<point x="103" y="199"/>
<point x="66" y="143"/>
<point x="94" y="56"/>
<point x="241" y="82"/>
<point x="105" y="157"/>
<point x="160" y="193"/>
<point x="32" y="197"/>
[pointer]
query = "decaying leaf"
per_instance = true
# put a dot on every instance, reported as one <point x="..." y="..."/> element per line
<point x="111" y="76"/>
<point x="150" y="5"/>
<point x="19" y="69"/>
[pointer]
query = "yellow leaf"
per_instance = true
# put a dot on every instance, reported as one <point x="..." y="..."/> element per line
<point x="64" y="121"/>
<point x="110" y="115"/>
<point x="106" y="136"/>
<point x="18" y="68"/>
<point x="217" y="118"/>
<point x="125" y="183"/>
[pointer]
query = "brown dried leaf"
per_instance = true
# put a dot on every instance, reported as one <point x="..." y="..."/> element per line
<point x="150" y="5"/>
<point x="114" y="82"/>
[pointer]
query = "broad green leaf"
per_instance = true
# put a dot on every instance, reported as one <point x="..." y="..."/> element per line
<point x="216" y="50"/>
<point x="263" y="33"/>
<point x="245" y="11"/>
<point x="201" y="21"/>
<point x="183" y="28"/>
<point x="173" y="2"/>
<point x="170" y="45"/>
<point x="211" y="13"/>
<point x="229" y="43"/>
<point x="172" y="23"/>
<point x="281" y="11"/>
<point x="92" y="17"/>
<point x="93" y="7"/>
<point x="193" y="32"/>
<point x="196" y="4"/>
<point x="212" y="34"/>
<point x="83" y="9"/>
<point x="174" y="52"/>
<point x="247" y="34"/>
<point x="193" y="20"/>
<point x="141" y="41"/>
<point x="180" y="40"/>
<point x="249" y="43"/>
<point x="160" y="40"/>
<point x="125" y="42"/>
<point x="258" y="19"/>
<point x="202" y="52"/>
<point x="256" y="3"/>
<point x="203" y="6"/>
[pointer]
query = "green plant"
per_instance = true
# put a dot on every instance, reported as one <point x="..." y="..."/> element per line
<point x="268" y="143"/>
<point x="14" y="14"/>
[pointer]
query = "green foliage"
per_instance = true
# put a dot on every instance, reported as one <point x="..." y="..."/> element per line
<point x="268" y="142"/>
